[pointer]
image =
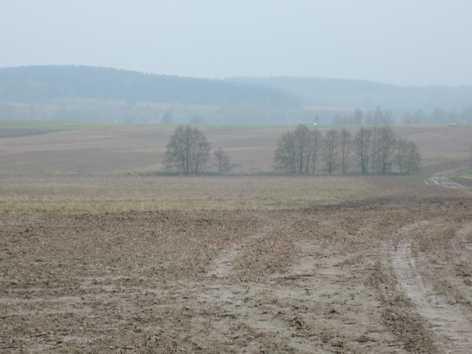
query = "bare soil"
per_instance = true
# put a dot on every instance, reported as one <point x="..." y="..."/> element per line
<point x="380" y="276"/>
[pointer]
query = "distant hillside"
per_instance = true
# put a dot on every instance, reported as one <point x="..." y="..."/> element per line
<point x="93" y="94"/>
<point x="46" y="84"/>
<point x="365" y="94"/>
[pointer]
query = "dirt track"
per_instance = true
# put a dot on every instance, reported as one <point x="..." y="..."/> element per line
<point x="373" y="277"/>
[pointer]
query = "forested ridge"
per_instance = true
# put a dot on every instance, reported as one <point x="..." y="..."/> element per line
<point x="39" y="84"/>
<point x="98" y="94"/>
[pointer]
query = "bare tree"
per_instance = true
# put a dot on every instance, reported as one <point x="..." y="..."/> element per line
<point x="294" y="149"/>
<point x="345" y="147"/>
<point x="188" y="151"/>
<point x="387" y="149"/>
<point x="331" y="151"/>
<point x="285" y="154"/>
<point x="414" y="159"/>
<point x="374" y="158"/>
<point x="382" y="149"/>
<point x="407" y="156"/>
<point x="362" y="147"/>
<point x="302" y="149"/>
<point x="316" y="145"/>
<point x="223" y="162"/>
<point x="401" y="156"/>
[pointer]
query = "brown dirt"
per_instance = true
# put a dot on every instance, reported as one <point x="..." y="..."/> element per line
<point x="383" y="276"/>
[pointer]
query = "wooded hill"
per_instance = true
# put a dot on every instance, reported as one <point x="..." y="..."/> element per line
<point x="97" y="94"/>
<point x="361" y="94"/>
<point x="40" y="84"/>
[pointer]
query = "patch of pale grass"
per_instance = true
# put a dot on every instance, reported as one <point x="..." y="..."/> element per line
<point x="154" y="193"/>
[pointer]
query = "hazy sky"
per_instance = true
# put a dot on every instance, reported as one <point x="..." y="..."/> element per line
<point x="399" y="41"/>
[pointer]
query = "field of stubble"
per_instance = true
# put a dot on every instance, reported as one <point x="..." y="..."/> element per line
<point x="101" y="263"/>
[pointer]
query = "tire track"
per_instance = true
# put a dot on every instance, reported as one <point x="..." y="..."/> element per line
<point x="459" y="281"/>
<point x="444" y="181"/>
<point x="222" y="266"/>
<point x="452" y="330"/>
<point x="250" y="307"/>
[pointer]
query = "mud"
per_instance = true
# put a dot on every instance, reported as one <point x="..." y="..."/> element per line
<point x="384" y="276"/>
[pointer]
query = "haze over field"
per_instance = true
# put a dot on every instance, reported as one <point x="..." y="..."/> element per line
<point x="407" y="42"/>
<point x="264" y="62"/>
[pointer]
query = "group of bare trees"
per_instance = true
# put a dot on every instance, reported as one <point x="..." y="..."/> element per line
<point x="304" y="151"/>
<point x="360" y="117"/>
<point x="189" y="153"/>
<point x="377" y="150"/>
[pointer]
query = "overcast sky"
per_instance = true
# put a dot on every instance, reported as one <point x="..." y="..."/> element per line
<point x="398" y="41"/>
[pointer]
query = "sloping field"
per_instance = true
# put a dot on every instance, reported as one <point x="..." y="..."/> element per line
<point x="370" y="277"/>
<point x="104" y="262"/>
<point x="122" y="150"/>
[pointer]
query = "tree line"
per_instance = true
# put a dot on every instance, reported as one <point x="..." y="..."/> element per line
<point x="370" y="151"/>
<point x="360" y="117"/>
<point x="303" y="151"/>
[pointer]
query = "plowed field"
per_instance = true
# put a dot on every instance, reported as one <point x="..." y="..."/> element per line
<point x="379" y="276"/>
